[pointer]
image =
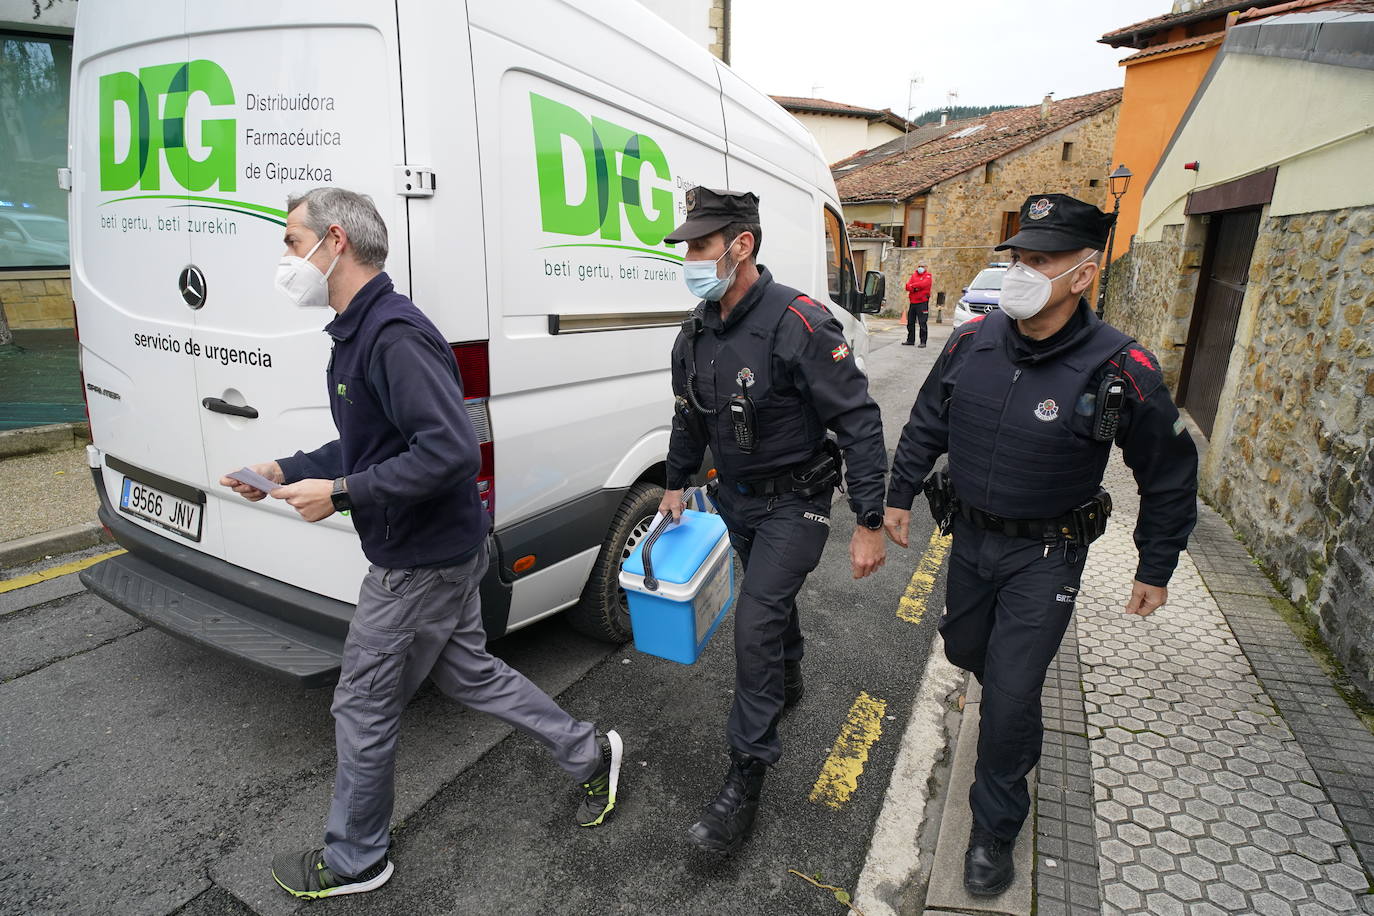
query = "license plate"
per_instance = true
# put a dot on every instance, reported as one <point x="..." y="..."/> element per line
<point x="164" y="509"/>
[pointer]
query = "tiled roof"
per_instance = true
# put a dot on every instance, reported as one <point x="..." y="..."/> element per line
<point x="825" y="106"/>
<point x="1199" y="42"/>
<point x="1136" y="34"/>
<point x="972" y="143"/>
<point x="1309" y="6"/>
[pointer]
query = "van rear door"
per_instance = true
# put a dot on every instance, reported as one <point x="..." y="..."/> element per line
<point x="253" y="103"/>
<point x="126" y="256"/>
<point x="318" y="103"/>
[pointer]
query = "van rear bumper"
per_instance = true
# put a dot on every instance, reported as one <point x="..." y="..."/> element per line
<point x="280" y="629"/>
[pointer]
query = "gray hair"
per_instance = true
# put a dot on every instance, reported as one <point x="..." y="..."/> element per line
<point x="355" y="213"/>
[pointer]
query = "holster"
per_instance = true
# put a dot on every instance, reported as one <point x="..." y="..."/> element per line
<point x="821" y="473"/>
<point x="1088" y="522"/>
<point x="939" y="491"/>
<point x="693" y="422"/>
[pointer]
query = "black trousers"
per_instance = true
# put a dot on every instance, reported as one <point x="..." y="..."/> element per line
<point x="779" y="541"/>
<point x="918" y="311"/>
<point x="1008" y="604"/>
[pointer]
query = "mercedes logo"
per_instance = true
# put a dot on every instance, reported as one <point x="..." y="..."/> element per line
<point x="192" y="286"/>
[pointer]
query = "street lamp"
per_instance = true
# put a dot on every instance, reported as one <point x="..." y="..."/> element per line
<point x="1117" y="182"/>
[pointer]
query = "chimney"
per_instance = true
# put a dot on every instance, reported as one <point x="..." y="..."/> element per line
<point x="944" y="118"/>
<point x="1045" y="106"/>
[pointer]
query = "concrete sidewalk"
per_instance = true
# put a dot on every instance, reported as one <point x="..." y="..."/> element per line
<point x="1198" y="761"/>
<point x="50" y="498"/>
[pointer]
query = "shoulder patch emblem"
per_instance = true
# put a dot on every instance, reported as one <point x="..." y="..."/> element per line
<point x="745" y="377"/>
<point x="839" y="352"/>
<point x="1143" y="358"/>
<point x="1040" y="209"/>
<point x="1047" y="410"/>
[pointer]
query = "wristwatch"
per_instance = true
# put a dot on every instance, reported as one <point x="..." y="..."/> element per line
<point x="872" y="520"/>
<point x="339" y="495"/>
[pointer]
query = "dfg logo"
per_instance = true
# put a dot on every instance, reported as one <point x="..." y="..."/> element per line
<point x="613" y="159"/>
<point x="149" y="109"/>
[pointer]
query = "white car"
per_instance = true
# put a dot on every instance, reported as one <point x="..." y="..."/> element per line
<point x="32" y="239"/>
<point x="982" y="295"/>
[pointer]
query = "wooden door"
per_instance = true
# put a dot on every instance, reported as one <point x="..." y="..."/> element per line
<point x="1221" y="290"/>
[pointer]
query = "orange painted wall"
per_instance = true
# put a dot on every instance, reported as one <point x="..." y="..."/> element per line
<point x="1157" y="92"/>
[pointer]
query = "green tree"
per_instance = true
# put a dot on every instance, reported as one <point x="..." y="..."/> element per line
<point x="959" y="112"/>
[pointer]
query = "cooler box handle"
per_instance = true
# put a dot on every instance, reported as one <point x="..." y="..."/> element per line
<point x="664" y="524"/>
<point x="649" y="581"/>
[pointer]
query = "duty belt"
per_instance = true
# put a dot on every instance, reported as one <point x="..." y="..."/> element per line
<point x="1084" y="524"/>
<point x="815" y="475"/>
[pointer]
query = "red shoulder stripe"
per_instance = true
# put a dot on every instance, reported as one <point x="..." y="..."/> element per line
<point x="1130" y="378"/>
<point x="963" y="333"/>
<point x="794" y="311"/>
<point x="1141" y="357"/>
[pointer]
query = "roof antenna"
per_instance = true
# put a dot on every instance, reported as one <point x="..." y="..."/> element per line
<point x="951" y="97"/>
<point x="911" y="84"/>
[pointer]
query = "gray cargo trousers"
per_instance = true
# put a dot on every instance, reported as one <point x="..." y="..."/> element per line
<point x="410" y="624"/>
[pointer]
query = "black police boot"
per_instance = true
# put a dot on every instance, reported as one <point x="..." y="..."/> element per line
<point x="908" y="343"/>
<point x="988" y="869"/>
<point x="792" y="685"/>
<point x="728" y="818"/>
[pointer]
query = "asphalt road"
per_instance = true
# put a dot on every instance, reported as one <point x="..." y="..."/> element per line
<point x="140" y="775"/>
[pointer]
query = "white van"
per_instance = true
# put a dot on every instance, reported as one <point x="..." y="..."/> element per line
<point x="528" y="159"/>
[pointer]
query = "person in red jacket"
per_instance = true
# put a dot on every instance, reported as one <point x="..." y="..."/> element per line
<point x="918" y="295"/>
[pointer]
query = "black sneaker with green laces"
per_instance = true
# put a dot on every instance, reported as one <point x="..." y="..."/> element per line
<point x="304" y="874"/>
<point x="598" y="797"/>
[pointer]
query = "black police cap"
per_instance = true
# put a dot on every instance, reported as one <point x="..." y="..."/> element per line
<point x="710" y="210"/>
<point x="1058" y="222"/>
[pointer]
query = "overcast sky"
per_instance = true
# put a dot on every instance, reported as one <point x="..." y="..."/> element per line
<point x="994" y="52"/>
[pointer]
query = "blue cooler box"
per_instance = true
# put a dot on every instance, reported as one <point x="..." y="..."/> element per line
<point x="695" y="571"/>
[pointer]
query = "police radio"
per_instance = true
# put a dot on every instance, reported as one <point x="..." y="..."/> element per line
<point x="1111" y="398"/>
<point x="745" y="422"/>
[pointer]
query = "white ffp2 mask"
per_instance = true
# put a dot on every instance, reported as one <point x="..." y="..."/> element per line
<point x="301" y="282"/>
<point x="1025" y="290"/>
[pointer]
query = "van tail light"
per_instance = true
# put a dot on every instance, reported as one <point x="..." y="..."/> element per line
<point x="475" y="371"/>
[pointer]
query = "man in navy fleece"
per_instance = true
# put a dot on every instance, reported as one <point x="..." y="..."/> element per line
<point x="405" y="466"/>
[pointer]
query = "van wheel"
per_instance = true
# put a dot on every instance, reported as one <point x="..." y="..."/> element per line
<point x="603" y="611"/>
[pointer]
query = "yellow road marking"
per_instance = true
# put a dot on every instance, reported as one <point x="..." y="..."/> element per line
<point x="9" y="585"/>
<point x="912" y="607"/>
<point x="841" y="771"/>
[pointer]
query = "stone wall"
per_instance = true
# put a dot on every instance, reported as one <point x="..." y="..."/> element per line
<point x="37" y="303"/>
<point x="964" y="214"/>
<point x="1291" y="461"/>
<point x="1153" y="289"/>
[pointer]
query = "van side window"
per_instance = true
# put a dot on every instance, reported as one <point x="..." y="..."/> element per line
<point x="839" y="263"/>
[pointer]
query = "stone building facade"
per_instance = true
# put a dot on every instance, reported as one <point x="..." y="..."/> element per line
<point x="969" y="185"/>
<point x="37" y="299"/>
<point x="1290" y="457"/>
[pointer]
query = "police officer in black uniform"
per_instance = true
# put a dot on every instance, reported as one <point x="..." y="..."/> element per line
<point x="1027" y="403"/>
<point x="759" y="373"/>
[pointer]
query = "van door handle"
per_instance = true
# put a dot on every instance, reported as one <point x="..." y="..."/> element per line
<point x="219" y="405"/>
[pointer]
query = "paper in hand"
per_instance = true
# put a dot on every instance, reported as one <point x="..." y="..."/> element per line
<point x="253" y="479"/>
